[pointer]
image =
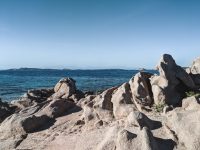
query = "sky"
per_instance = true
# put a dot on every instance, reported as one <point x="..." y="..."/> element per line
<point x="97" y="34"/>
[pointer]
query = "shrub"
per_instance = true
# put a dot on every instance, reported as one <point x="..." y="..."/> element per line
<point x="159" y="107"/>
<point x="192" y="93"/>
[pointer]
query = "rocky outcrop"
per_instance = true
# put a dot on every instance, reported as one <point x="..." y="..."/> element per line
<point x="159" y="86"/>
<point x="194" y="71"/>
<point x="121" y="138"/>
<point x="122" y="101"/>
<point x="32" y="119"/>
<point x="115" y="103"/>
<point x="38" y="112"/>
<point x="64" y="88"/>
<point x="99" y="106"/>
<point x="186" y="126"/>
<point x="33" y="97"/>
<point x="125" y="117"/>
<point x="141" y="88"/>
<point x="21" y="123"/>
<point x="103" y="106"/>
<point x="57" y="107"/>
<point x="172" y="83"/>
<point x="195" y="68"/>
<point x="191" y="103"/>
<point x="5" y="110"/>
<point x="19" y="129"/>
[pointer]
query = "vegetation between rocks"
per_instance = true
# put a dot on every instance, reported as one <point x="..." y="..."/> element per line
<point x="159" y="107"/>
<point x="192" y="93"/>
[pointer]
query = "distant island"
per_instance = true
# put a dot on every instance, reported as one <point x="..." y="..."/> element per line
<point x="31" y="69"/>
<point x="42" y="69"/>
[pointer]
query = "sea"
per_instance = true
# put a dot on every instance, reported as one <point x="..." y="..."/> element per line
<point x="15" y="82"/>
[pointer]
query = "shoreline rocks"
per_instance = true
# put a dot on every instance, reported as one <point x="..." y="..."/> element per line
<point x="33" y="97"/>
<point x="149" y="112"/>
<point x="6" y="110"/>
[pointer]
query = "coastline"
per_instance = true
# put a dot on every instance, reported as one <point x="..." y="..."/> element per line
<point x="150" y="111"/>
<point x="16" y="82"/>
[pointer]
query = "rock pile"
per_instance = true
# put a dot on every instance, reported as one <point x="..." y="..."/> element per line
<point x="139" y="114"/>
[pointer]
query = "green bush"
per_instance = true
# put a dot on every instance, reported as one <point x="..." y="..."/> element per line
<point x="159" y="107"/>
<point x="192" y="93"/>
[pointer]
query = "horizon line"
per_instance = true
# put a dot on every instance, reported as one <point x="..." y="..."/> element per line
<point x="24" y="68"/>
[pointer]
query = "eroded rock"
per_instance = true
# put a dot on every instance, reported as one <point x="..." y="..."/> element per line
<point x="103" y="106"/>
<point x="141" y="88"/>
<point x="57" y="107"/>
<point x="110" y="119"/>
<point x="64" y="88"/>
<point x="122" y="101"/>
<point x="191" y="103"/>
<point x="194" y="71"/>
<point x="186" y="125"/>
<point x="172" y="83"/>
<point x="195" y="68"/>
<point x="32" y="97"/>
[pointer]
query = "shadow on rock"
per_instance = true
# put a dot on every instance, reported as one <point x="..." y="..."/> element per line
<point x="46" y="123"/>
<point x="73" y="110"/>
<point x="152" y="124"/>
<point x="137" y="118"/>
<point x="165" y="144"/>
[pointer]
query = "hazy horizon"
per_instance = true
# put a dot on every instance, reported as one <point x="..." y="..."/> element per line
<point x="98" y="34"/>
<point x="78" y="68"/>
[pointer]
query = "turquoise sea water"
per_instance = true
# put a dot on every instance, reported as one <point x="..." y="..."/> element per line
<point x="14" y="83"/>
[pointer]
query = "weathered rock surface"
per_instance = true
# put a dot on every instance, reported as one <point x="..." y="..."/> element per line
<point x="66" y="118"/>
<point x="115" y="103"/>
<point x="195" y="68"/>
<point x="122" y="101"/>
<point x="140" y="120"/>
<point x="98" y="106"/>
<point x="103" y="106"/>
<point x="186" y="126"/>
<point x="57" y="108"/>
<point x="64" y="88"/>
<point x="5" y="110"/>
<point x="21" y="122"/>
<point x="141" y="88"/>
<point x="159" y="88"/>
<point x="169" y="87"/>
<point x="32" y="97"/>
<point x="194" y="71"/>
<point x="191" y="103"/>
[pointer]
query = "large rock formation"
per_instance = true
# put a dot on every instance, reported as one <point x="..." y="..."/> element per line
<point x="64" y="88"/>
<point x="185" y="122"/>
<point x="115" y="103"/>
<point x="122" y="101"/>
<point x="103" y="106"/>
<point x="141" y="88"/>
<point x="121" y="118"/>
<point x="172" y="83"/>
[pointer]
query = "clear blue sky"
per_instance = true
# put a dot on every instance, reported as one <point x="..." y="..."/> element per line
<point x="97" y="33"/>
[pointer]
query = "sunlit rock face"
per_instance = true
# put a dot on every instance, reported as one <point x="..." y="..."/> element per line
<point x="139" y="114"/>
<point x="172" y="82"/>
